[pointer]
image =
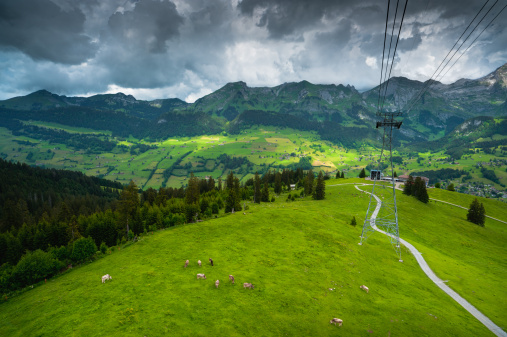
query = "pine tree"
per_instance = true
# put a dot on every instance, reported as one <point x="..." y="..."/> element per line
<point x="192" y="192"/>
<point x="362" y="174"/>
<point x="476" y="213"/>
<point x="338" y="176"/>
<point x="278" y="183"/>
<point x="320" y="188"/>
<point x="309" y="183"/>
<point x="407" y="188"/>
<point x="420" y="190"/>
<point x="129" y="204"/>
<point x="343" y="174"/>
<point x="257" y="188"/>
<point x="265" y="192"/>
<point x="233" y="194"/>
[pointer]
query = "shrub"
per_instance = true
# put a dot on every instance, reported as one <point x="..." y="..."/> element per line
<point x="61" y="253"/>
<point x="83" y="248"/>
<point x="34" y="267"/>
<point x="103" y="247"/>
<point x="353" y="221"/>
<point x="272" y="199"/>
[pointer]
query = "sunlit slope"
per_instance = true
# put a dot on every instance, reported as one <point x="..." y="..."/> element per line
<point x="292" y="252"/>
<point x="472" y="259"/>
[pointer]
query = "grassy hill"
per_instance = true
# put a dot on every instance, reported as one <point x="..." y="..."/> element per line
<point x="293" y="252"/>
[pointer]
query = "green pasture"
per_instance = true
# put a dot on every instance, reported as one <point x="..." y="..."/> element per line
<point x="293" y="252"/>
<point x="471" y="259"/>
<point x="263" y="146"/>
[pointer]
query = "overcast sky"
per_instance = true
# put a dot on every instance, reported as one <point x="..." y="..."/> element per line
<point x="190" y="48"/>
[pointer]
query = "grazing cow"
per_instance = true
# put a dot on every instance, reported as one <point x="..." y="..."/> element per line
<point x="336" y="320"/>
<point x="217" y="282"/>
<point x="248" y="285"/>
<point x="231" y="278"/>
<point x="201" y="276"/>
<point x="199" y="263"/>
<point x="106" y="277"/>
<point x="186" y="263"/>
<point x="211" y="261"/>
<point x="365" y="288"/>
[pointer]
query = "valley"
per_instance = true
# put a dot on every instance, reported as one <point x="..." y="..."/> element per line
<point x="168" y="163"/>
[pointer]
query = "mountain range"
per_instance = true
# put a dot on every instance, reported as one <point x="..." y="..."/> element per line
<point x="339" y="113"/>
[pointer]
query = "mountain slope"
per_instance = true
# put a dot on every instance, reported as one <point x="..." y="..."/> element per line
<point x="304" y="262"/>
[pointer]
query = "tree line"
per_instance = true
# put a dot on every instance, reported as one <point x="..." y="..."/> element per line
<point x="35" y="246"/>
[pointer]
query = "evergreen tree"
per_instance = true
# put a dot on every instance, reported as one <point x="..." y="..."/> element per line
<point x="232" y="200"/>
<point x="219" y="184"/>
<point x="309" y="183"/>
<point x="451" y="187"/>
<point x="420" y="191"/>
<point x="278" y="183"/>
<point x="192" y="193"/>
<point x="407" y="188"/>
<point x="476" y="213"/>
<point x="265" y="192"/>
<point x="257" y="188"/>
<point x="362" y="174"/>
<point x="343" y="174"/>
<point x="395" y="174"/>
<point x="338" y="176"/>
<point x="320" y="188"/>
<point x="129" y="204"/>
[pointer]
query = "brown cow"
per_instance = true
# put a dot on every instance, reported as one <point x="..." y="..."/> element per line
<point x="231" y="278"/>
<point x="186" y="263"/>
<point x="211" y="261"/>
<point x="336" y="320"/>
<point x="199" y="263"/>
<point x="201" y="276"/>
<point x="248" y="285"/>
<point x="217" y="282"/>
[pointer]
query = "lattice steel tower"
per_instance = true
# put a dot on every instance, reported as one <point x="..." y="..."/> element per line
<point x="382" y="213"/>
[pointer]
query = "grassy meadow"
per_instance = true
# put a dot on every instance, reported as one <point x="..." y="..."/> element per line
<point x="265" y="147"/>
<point x="294" y="253"/>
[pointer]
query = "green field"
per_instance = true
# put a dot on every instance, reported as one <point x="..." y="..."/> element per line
<point x="293" y="252"/>
<point x="265" y="147"/>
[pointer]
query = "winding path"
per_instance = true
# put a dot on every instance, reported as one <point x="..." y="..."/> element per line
<point x="427" y="270"/>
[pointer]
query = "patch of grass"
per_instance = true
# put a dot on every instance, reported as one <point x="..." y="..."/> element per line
<point x="292" y="252"/>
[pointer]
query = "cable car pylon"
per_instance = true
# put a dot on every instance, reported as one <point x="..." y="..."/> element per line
<point x="385" y="218"/>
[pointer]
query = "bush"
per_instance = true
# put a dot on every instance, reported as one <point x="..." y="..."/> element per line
<point x="353" y="221"/>
<point x="61" y="253"/>
<point x="103" y="247"/>
<point x="272" y="199"/>
<point x="35" y="267"/>
<point x="83" y="248"/>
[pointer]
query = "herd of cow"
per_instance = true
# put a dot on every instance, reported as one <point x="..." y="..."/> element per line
<point x="217" y="282"/>
<point x="245" y="285"/>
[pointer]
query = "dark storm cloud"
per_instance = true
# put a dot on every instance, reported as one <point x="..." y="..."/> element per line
<point x="44" y="31"/>
<point x="152" y="23"/>
<point x="285" y="17"/>
<point x="192" y="47"/>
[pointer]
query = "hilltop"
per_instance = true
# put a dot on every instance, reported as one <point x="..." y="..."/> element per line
<point x="306" y="266"/>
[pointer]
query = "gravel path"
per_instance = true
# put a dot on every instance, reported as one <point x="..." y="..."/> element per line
<point x="441" y="284"/>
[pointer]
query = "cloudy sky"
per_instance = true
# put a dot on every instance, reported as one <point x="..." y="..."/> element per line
<point x="189" y="48"/>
